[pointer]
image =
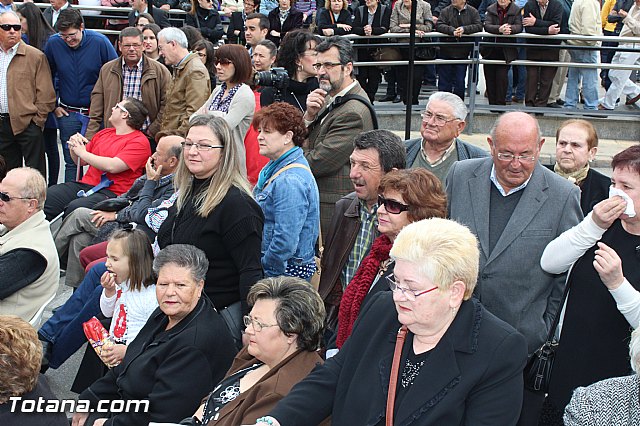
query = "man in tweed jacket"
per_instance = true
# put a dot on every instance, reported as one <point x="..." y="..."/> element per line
<point x="333" y="124"/>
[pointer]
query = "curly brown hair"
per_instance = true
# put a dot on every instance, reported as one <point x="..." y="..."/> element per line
<point x="20" y="357"/>
<point x="421" y="190"/>
<point x="282" y="117"/>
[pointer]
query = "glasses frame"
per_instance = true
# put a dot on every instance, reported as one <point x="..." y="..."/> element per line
<point x="409" y="294"/>
<point x="257" y="325"/>
<point x="392" y="206"/>
<point x="508" y="158"/>
<point x="71" y="36"/>
<point x="121" y="108"/>
<point x="326" y="65"/>
<point x="6" y="198"/>
<point x="200" y="147"/>
<point x="438" y="120"/>
<point x="14" y="27"/>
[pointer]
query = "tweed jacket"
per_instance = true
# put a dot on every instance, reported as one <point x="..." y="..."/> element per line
<point x="472" y="377"/>
<point x="401" y="15"/>
<point x="553" y="15"/>
<point x="608" y="402"/>
<point x="258" y="400"/>
<point x="330" y="144"/>
<point x="108" y="91"/>
<point x="511" y="284"/>
<point x="492" y="25"/>
<point x="464" y="150"/>
<point x="29" y="88"/>
<point x="188" y="91"/>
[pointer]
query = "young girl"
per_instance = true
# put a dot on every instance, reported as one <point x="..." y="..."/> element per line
<point x="128" y="295"/>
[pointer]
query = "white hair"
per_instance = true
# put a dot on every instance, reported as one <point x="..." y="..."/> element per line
<point x="174" y="34"/>
<point x="460" y="110"/>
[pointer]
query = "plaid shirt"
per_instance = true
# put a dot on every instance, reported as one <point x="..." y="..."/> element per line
<point x="367" y="233"/>
<point x="131" y="85"/>
<point x="5" y="60"/>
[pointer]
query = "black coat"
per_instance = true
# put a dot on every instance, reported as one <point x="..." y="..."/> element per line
<point x="473" y="376"/>
<point x="160" y="16"/>
<point x="208" y="23"/>
<point x="380" y="25"/>
<point x="492" y="25"/>
<point x="593" y="189"/>
<point x="326" y="21"/>
<point x="553" y="15"/>
<point x="48" y="14"/>
<point x="296" y="94"/>
<point x="172" y="369"/>
<point x="236" y="22"/>
<point x="20" y="418"/>
<point x="452" y="18"/>
<point x="293" y="21"/>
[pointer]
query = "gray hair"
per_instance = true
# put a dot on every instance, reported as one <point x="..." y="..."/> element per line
<point x="174" y="34"/>
<point x="300" y="309"/>
<point x="11" y="12"/>
<point x="634" y="350"/>
<point x="460" y="110"/>
<point x="498" y="122"/>
<point x="185" y="256"/>
<point x="33" y="185"/>
<point x="391" y="150"/>
<point x="342" y="44"/>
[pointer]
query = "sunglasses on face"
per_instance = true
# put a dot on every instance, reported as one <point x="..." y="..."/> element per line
<point x="392" y="206"/>
<point x="14" y="27"/>
<point x="223" y="62"/>
<point x="4" y="197"/>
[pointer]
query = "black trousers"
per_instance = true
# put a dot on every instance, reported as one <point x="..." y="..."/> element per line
<point x="64" y="198"/>
<point x="369" y="78"/>
<point x="539" y="81"/>
<point x="531" y="408"/>
<point x="28" y="145"/>
<point x="496" y="80"/>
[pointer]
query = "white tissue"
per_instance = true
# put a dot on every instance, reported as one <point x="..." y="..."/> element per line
<point x="629" y="211"/>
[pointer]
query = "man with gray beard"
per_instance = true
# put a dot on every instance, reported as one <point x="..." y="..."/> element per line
<point x="334" y="117"/>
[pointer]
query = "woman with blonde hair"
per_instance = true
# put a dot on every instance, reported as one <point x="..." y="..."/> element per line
<point x="215" y="211"/>
<point x="335" y="18"/>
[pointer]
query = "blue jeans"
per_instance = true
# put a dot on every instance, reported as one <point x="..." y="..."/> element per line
<point x="451" y="79"/>
<point x="589" y="78"/>
<point x="64" y="329"/>
<point x="522" y="77"/>
<point x="69" y="126"/>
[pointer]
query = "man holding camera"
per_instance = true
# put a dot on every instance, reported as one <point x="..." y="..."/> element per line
<point x="333" y="123"/>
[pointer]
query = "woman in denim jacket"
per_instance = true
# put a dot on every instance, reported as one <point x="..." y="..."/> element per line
<point x="287" y="193"/>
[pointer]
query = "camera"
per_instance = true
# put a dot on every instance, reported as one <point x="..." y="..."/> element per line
<point x="275" y="77"/>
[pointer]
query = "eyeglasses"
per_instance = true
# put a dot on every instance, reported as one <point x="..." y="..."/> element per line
<point x="257" y="325"/>
<point x="409" y="294"/>
<point x="14" y="27"/>
<point x="392" y="206"/>
<point x="131" y="46"/>
<point x="438" y="119"/>
<point x="223" y="62"/>
<point x="327" y="65"/>
<point x="187" y="144"/>
<point x="69" y="36"/>
<point x="4" y="197"/>
<point x="123" y="109"/>
<point x="507" y="158"/>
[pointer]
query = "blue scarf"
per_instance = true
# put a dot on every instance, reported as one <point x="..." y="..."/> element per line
<point x="272" y="166"/>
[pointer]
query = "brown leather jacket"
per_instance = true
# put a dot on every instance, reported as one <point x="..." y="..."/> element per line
<point x="188" y="91"/>
<point x="29" y="88"/>
<point x="107" y="92"/>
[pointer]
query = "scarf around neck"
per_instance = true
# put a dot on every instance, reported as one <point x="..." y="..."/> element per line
<point x="272" y="166"/>
<point x="576" y="177"/>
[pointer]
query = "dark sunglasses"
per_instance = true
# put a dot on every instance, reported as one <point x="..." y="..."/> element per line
<point x="223" y="61"/>
<point x="14" y="27"/>
<point x="392" y="206"/>
<point x="4" y="197"/>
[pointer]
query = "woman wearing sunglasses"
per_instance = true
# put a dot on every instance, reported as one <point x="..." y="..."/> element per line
<point x="405" y="196"/>
<point x="204" y="16"/>
<point x="233" y="100"/>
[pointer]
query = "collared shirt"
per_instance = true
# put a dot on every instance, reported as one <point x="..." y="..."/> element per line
<point x="78" y="69"/>
<point x="56" y="13"/>
<point x="499" y="187"/>
<point x="367" y="233"/>
<point x="440" y="160"/>
<point x="131" y="84"/>
<point x="6" y="7"/>
<point x="5" y="60"/>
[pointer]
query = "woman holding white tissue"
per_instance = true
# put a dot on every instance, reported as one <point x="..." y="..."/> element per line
<point x="602" y="255"/>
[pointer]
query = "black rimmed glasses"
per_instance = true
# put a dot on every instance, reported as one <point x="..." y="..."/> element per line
<point x="326" y="65"/>
<point x="392" y="206"/>
<point x="257" y="325"/>
<point x="4" y="197"/>
<point x="14" y="27"/>
<point x="406" y="292"/>
<point x="438" y="119"/>
<point x="69" y="36"/>
<point x="200" y="146"/>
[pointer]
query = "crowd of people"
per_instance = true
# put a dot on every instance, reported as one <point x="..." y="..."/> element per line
<point x="258" y="251"/>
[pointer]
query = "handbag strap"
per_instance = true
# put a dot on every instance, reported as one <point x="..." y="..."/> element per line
<point x="290" y="166"/>
<point x="556" y="318"/>
<point x="393" y="379"/>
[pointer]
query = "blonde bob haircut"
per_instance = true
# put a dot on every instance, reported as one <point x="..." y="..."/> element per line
<point x="327" y="5"/>
<point x="20" y="357"/>
<point x="228" y="174"/>
<point x="443" y="251"/>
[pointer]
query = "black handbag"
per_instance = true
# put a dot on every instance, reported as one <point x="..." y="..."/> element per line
<point x="112" y="204"/>
<point x="537" y="373"/>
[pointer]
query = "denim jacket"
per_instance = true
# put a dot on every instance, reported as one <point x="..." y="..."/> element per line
<point x="291" y="209"/>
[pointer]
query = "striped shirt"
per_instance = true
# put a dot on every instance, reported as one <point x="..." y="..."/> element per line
<point x="367" y="233"/>
<point x="131" y="84"/>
